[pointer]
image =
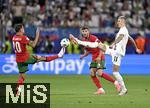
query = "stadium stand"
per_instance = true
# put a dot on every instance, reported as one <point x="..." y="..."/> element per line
<point x="57" y="18"/>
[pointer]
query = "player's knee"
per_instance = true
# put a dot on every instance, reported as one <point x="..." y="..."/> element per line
<point x="115" y="68"/>
<point x="36" y="57"/>
<point x="93" y="73"/>
<point x="100" y="72"/>
<point x="40" y="58"/>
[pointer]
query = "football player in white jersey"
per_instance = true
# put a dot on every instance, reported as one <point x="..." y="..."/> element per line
<point x="117" y="49"/>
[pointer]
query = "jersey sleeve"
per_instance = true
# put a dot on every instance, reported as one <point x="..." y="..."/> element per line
<point x="123" y="31"/>
<point x="25" y="40"/>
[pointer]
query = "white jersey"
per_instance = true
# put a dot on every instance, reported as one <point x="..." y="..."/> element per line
<point x="121" y="46"/>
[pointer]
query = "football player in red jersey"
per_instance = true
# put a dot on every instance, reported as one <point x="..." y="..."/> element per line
<point x="98" y="61"/>
<point x="23" y="58"/>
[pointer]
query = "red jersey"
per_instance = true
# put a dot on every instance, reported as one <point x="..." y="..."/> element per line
<point x="94" y="51"/>
<point x="19" y="45"/>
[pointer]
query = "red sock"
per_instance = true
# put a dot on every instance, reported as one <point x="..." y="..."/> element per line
<point x="96" y="81"/>
<point x="20" y="81"/>
<point x="50" y="58"/>
<point x="108" y="77"/>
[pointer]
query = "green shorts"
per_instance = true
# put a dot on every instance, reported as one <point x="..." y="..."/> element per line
<point x="23" y="66"/>
<point x="100" y="65"/>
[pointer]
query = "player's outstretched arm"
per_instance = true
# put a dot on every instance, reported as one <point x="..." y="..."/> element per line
<point x="33" y="43"/>
<point x="132" y="40"/>
<point x="88" y="44"/>
<point x="117" y="40"/>
<point x="86" y="53"/>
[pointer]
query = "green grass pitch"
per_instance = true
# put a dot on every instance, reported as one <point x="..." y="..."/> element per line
<point x="76" y="91"/>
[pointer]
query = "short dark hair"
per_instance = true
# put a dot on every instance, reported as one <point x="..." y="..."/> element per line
<point x="18" y="27"/>
<point x="84" y="27"/>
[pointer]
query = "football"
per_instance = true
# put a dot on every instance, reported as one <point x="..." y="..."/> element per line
<point x="64" y="42"/>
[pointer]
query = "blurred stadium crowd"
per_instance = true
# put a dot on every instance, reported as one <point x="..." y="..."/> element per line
<point x="99" y="15"/>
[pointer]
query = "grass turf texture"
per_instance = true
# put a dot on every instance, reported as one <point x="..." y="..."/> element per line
<point x="76" y="91"/>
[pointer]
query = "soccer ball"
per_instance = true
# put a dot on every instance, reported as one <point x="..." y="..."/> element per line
<point x="64" y="42"/>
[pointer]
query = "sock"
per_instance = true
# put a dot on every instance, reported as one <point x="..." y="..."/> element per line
<point x="96" y="81"/>
<point x="108" y="77"/>
<point x="87" y="44"/>
<point x="119" y="79"/>
<point x="20" y="81"/>
<point x="50" y="58"/>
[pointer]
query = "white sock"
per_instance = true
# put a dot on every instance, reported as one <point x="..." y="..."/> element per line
<point x="62" y="52"/>
<point x="119" y="79"/>
<point x="87" y="44"/>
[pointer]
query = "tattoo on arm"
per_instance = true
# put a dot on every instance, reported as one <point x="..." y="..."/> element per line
<point x="118" y="39"/>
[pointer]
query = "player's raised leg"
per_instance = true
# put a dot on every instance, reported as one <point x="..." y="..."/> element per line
<point x="50" y="58"/>
<point x="87" y="44"/>
<point x="23" y="66"/>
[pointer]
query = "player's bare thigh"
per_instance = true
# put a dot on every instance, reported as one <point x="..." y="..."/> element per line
<point x="116" y="59"/>
<point x="100" y="72"/>
<point x="116" y="68"/>
<point x="93" y="71"/>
